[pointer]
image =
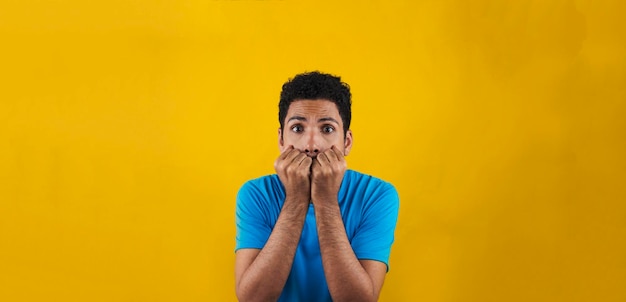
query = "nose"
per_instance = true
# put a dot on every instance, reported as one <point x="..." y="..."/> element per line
<point x="312" y="147"/>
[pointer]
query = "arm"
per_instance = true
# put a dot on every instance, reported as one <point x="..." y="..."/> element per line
<point x="348" y="278"/>
<point x="260" y="275"/>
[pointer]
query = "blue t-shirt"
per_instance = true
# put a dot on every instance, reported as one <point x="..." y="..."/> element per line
<point x="369" y="208"/>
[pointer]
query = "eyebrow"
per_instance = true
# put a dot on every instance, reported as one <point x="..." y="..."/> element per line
<point x="324" y="119"/>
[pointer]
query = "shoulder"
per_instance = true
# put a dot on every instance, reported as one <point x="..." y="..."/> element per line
<point x="265" y="188"/>
<point x="368" y="183"/>
<point x="267" y="182"/>
<point x="363" y="190"/>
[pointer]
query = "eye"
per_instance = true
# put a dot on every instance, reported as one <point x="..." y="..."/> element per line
<point x="328" y="129"/>
<point x="297" y="128"/>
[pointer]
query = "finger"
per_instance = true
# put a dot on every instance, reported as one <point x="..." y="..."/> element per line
<point x="330" y="155"/>
<point x="293" y="155"/>
<point x="315" y="164"/>
<point x="306" y="162"/>
<point x="286" y="152"/>
<point x="323" y="159"/>
<point x="336" y="153"/>
<point x="299" y="159"/>
<point x="286" y="158"/>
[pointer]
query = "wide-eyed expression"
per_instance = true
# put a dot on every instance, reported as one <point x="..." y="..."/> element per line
<point x="313" y="126"/>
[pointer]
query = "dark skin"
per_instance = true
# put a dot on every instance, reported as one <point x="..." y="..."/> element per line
<point x="311" y="167"/>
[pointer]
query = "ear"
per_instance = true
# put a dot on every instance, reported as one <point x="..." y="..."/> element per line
<point x="347" y="143"/>
<point x="281" y="142"/>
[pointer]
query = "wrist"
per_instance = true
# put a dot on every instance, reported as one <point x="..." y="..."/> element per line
<point x="325" y="210"/>
<point x="297" y="197"/>
<point x="325" y="199"/>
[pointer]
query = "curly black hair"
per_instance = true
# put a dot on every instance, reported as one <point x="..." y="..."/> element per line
<point x="315" y="86"/>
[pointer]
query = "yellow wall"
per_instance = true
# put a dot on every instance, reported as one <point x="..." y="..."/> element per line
<point x="126" y="128"/>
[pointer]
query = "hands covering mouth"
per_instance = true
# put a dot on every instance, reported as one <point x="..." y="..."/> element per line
<point x="313" y="178"/>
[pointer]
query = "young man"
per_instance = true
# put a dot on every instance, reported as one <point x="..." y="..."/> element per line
<point x="314" y="231"/>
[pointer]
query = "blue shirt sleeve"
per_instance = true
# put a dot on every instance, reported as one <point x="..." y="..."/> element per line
<point x="374" y="237"/>
<point x="253" y="228"/>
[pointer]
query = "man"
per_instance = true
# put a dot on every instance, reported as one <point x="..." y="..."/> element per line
<point x="314" y="231"/>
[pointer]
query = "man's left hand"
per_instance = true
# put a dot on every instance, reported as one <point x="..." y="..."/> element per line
<point x="327" y="173"/>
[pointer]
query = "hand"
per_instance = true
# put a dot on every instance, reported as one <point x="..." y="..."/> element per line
<point x="294" y="170"/>
<point x="327" y="173"/>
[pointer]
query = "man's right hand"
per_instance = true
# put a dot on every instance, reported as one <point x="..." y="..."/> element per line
<point x="261" y="274"/>
<point x="294" y="170"/>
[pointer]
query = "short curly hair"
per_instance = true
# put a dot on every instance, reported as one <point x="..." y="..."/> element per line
<point x="315" y="86"/>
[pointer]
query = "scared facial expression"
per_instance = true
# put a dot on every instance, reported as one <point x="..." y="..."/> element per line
<point x="313" y="126"/>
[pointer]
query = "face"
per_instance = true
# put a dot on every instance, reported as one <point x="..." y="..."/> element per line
<point x="313" y="126"/>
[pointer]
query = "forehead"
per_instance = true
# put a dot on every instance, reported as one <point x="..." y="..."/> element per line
<point x="314" y="108"/>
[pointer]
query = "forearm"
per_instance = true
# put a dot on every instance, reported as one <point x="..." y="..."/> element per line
<point x="265" y="278"/>
<point x="347" y="279"/>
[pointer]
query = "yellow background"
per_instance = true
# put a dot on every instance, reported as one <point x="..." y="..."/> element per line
<point x="126" y="128"/>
